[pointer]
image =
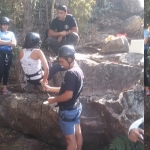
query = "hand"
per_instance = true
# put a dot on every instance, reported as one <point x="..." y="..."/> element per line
<point x="47" y="87"/>
<point x="136" y="134"/>
<point x="43" y="83"/>
<point x="63" y="33"/>
<point x="59" y="38"/>
<point x="51" y="100"/>
<point x="68" y="32"/>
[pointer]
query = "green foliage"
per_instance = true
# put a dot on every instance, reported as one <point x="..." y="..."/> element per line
<point x="81" y="9"/>
<point x="123" y="143"/>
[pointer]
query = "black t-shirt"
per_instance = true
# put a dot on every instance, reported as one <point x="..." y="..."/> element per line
<point x="65" y="25"/>
<point x="73" y="81"/>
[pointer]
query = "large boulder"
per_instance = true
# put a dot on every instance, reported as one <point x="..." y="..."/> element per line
<point x="13" y="140"/>
<point x="118" y="44"/>
<point x="132" y="25"/>
<point x="112" y="99"/>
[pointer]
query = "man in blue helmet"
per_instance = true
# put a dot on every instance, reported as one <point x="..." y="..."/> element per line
<point x="69" y="106"/>
<point x="7" y="41"/>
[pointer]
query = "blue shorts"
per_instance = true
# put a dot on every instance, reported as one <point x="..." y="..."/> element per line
<point x="68" y="128"/>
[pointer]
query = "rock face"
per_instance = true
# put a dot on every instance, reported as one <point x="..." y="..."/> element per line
<point x="112" y="99"/>
<point x="132" y="25"/>
<point x="119" y="44"/>
<point x="11" y="139"/>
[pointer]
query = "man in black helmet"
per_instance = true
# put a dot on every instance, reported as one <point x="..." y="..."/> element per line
<point x="67" y="101"/>
<point x="63" y="30"/>
<point x="7" y="41"/>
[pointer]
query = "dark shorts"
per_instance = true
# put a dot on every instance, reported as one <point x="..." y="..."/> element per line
<point x="68" y="128"/>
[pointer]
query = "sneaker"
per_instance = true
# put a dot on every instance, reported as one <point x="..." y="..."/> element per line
<point x="6" y="91"/>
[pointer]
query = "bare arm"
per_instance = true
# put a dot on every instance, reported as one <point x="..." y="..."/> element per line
<point x="52" y="89"/>
<point x="74" y="29"/>
<point x="56" y="34"/>
<point x="62" y="98"/>
<point x="45" y="65"/>
<point x="9" y="43"/>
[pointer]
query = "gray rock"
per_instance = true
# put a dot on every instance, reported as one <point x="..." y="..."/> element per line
<point x="13" y="140"/>
<point x="119" y="44"/>
<point x="133" y="59"/>
<point x="132" y="25"/>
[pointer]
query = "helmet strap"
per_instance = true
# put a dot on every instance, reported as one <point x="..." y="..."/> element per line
<point x="68" y="61"/>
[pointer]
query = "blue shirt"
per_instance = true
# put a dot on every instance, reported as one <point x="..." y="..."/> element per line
<point x="6" y="36"/>
<point x="146" y="35"/>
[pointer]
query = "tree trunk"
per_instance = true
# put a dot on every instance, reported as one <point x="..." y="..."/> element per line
<point x="52" y="10"/>
<point x="27" y="22"/>
<point x="27" y="27"/>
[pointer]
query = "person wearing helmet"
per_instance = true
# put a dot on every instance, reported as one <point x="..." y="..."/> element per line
<point x="7" y="41"/>
<point x="32" y="59"/>
<point x="68" y="102"/>
<point x="63" y="30"/>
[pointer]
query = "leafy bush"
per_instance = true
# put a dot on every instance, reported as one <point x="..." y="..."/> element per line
<point x="123" y="143"/>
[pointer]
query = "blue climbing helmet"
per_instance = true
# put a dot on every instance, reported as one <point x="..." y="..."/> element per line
<point x="4" y="20"/>
<point x="32" y="40"/>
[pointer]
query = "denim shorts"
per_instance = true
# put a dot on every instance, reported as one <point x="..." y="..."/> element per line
<point x="68" y="127"/>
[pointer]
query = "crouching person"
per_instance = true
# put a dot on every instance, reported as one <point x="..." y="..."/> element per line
<point x="69" y="106"/>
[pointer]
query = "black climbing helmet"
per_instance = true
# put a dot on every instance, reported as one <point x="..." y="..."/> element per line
<point x="32" y="40"/>
<point x="66" y="51"/>
<point x="4" y="20"/>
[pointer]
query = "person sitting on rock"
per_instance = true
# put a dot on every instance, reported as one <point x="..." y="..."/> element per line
<point x="136" y="131"/>
<point x="63" y="30"/>
<point x="32" y="59"/>
<point x="67" y="101"/>
<point x="7" y="41"/>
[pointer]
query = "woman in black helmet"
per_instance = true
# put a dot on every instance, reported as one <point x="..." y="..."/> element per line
<point x="69" y="106"/>
<point x="32" y="59"/>
<point x="7" y="41"/>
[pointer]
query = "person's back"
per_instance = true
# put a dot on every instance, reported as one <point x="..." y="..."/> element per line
<point x="30" y="62"/>
<point x="32" y="59"/>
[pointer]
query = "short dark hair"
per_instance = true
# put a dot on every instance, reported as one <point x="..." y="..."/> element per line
<point x="62" y="7"/>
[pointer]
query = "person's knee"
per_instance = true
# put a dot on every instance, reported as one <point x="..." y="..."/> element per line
<point x="50" y="40"/>
<point x="73" y="39"/>
<point x="71" y="140"/>
<point x="74" y="36"/>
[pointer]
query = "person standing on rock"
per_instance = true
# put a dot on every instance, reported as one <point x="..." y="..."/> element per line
<point x="7" y="41"/>
<point x="63" y="30"/>
<point x="67" y="101"/>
